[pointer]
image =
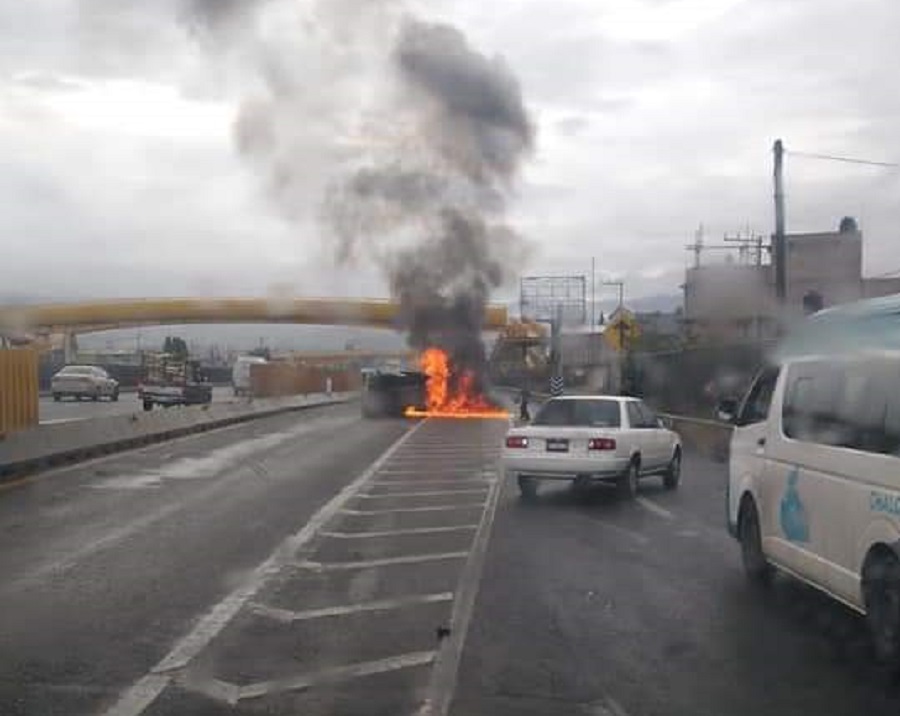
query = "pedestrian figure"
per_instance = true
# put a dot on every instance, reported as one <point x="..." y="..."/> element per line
<point x="523" y="406"/>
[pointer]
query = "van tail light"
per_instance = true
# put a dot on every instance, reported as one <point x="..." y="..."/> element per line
<point x="516" y="441"/>
<point x="601" y="444"/>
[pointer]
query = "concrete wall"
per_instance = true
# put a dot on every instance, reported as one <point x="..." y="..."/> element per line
<point x="828" y="263"/>
<point x="280" y="379"/>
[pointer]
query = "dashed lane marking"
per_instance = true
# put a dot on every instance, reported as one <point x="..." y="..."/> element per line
<point x="440" y="508"/>
<point x="654" y="508"/>
<point x="382" y="562"/>
<point x="431" y="493"/>
<point x="336" y="674"/>
<point x="411" y="483"/>
<point x="380" y="605"/>
<point x="144" y="692"/>
<point x="399" y="533"/>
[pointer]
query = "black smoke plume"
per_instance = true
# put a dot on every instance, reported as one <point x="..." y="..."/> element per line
<point x="445" y="192"/>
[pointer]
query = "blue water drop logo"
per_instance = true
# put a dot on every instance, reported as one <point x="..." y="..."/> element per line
<point x="794" y="521"/>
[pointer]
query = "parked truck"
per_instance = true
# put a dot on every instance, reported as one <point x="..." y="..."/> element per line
<point x="170" y="379"/>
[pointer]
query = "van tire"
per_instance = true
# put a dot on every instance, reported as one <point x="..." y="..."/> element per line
<point x="672" y="476"/>
<point x="881" y="595"/>
<point x="758" y="571"/>
<point x="627" y="484"/>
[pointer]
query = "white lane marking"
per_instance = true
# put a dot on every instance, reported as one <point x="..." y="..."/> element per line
<point x="606" y="706"/>
<point x="381" y="562"/>
<point x="442" y="682"/>
<point x="222" y="613"/>
<point x="398" y="533"/>
<point x="412" y="483"/>
<point x="379" y="605"/>
<point x="60" y="421"/>
<point x="654" y="508"/>
<point x="430" y="493"/>
<point x="431" y="470"/>
<point x="636" y="536"/>
<point x="442" y="508"/>
<point x="337" y="674"/>
<point x="143" y="693"/>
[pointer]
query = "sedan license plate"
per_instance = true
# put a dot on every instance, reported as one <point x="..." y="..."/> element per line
<point x="557" y="445"/>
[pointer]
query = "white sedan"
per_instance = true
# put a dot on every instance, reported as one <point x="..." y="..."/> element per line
<point x="84" y="381"/>
<point x="586" y="439"/>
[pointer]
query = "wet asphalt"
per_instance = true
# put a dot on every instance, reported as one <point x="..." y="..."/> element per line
<point x="132" y="585"/>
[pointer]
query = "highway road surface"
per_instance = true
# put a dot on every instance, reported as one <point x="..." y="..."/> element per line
<point x="68" y="410"/>
<point x="315" y="563"/>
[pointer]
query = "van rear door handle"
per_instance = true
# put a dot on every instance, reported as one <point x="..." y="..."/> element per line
<point x="761" y="442"/>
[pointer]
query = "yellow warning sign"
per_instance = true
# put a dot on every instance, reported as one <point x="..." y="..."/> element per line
<point x="622" y="329"/>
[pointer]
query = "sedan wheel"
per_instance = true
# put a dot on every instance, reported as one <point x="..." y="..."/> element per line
<point x="673" y="474"/>
<point x="628" y="481"/>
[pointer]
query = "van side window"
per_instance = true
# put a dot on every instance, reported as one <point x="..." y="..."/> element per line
<point x="843" y="404"/>
<point x="756" y="405"/>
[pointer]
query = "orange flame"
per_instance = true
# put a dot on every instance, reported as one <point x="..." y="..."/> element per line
<point x="442" y="401"/>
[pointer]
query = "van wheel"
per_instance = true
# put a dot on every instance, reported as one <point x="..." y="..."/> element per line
<point x="627" y="484"/>
<point x="757" y="569"/>
<point x="672" y="476"/>
<point x="528" y="488"/>
<point x="148" y="405"/>
<point x="881" y="594"/>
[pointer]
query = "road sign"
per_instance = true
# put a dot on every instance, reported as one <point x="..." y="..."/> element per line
<point x="556" y="385"/>
<point x="623" y="328"/>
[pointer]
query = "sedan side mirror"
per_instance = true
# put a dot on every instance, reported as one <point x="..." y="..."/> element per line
<point x="727" y="410"/>
<point x="664" y="423"/>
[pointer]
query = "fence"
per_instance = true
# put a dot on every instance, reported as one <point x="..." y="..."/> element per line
<point x="18" y="390"/>
<point x="272" y="380"/>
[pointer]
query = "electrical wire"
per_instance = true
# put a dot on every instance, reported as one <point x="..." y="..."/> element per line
<point x="848" y="160"/>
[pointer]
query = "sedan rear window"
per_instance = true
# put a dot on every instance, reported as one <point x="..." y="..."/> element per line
<point x="77" y="370"/>
<point x="580" y="413"/>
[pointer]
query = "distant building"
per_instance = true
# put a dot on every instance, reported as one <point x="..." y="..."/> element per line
<point x="736" y="301"/>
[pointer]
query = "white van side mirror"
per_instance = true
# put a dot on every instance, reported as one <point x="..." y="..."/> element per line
<point x="727" y="410"/>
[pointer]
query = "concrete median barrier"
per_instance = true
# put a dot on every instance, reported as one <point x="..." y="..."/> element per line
<point x="48" y="446"/>
<point x="708" y="437"/>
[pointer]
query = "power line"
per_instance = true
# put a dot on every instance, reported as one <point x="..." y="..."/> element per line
<point x="848" y="160"/>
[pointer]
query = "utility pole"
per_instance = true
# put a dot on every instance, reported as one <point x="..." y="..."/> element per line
<point x="779" y="252"/>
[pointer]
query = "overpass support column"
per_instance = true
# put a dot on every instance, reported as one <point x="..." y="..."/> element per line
<point x="70" y="346"/>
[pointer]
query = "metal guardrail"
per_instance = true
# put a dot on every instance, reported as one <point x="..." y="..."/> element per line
<point x="709" y="437"/>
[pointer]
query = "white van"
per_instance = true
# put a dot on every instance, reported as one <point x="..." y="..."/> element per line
<point x="240" y="373"/>
<point x="814" y="481"/>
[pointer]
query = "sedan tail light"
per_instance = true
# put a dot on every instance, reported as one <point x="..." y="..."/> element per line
<point x="516" y="441"/>
<point x="601" y="444"/>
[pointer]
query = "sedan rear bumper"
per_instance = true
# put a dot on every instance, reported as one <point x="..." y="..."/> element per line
<point x="555" y="468"/>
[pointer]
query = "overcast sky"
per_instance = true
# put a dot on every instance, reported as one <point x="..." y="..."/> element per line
<point x="120" y="176"/>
